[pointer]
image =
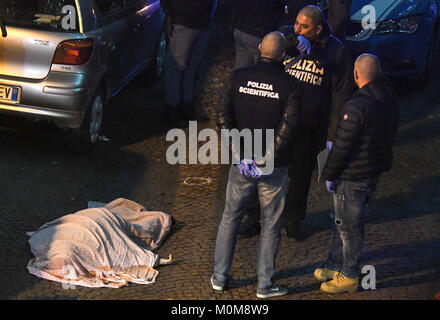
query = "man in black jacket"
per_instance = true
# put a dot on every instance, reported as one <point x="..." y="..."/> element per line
<point x="252" y="20"/>
<point x="326" y="80"/>
<point x="263" y="97"/>
<point x="325" y="75"/>
<point x="188" y="23"/>
<point x="337" y="12"/>
<point x="361" y="152"/>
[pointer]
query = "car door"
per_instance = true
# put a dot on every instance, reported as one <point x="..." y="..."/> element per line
<point x="146" y="24"/>
<point x="116" y="37"/>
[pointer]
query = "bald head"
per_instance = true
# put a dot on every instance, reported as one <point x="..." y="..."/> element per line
<point x="367" y="69"/>
<point x="273" y="46"/>
<point x="314" y="13"/>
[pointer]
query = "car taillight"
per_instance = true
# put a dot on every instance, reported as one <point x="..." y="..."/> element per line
<point x="73" y="52"/>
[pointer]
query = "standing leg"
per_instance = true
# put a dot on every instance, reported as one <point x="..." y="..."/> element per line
<point x="335" y="258"/>
<point x="351" y="225"/>
<point x="239" y="193"/>
<point x="178" y="56"/>
<point x="349" y="222"/>
<point x="299" y="185"/>
<point x="190" y="74"/>
<point x="272" y="194"/>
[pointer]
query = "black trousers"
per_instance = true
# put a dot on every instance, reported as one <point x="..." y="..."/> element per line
<point x="309" y="141"/>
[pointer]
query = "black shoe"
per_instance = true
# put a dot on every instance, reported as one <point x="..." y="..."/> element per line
<point x="249" y="228"/>
<point x="293" y="231"/>
<point x="273" y="291"/>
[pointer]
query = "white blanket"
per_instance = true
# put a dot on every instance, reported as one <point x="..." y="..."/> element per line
<point x="95" y="247"/>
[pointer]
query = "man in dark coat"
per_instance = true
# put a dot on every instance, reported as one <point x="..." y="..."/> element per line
<point x="326" y="79"/>
<point x="325" y="75"/>
<point x="337" y="12"/>
<point x="361" y="152"/>
<point x="259" y="97"/>
<point x="188" y="23"/>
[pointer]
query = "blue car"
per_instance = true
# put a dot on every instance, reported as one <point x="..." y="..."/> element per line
<point x="405" y="36"/>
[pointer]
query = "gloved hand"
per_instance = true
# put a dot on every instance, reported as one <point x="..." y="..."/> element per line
<point x="249" y="168"/>
<point x="256" y="172"/>
<point x="330" y="186"/>
<point x="304" y="45"/>
<point x="245" y="167"/>
<point x="329" y="145"/>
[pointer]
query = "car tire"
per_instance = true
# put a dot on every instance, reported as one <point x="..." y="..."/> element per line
<point x="86" y="136"/>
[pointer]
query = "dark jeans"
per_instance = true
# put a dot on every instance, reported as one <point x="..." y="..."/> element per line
<point x="350" y="202"/>
<point x="309" y="141"/>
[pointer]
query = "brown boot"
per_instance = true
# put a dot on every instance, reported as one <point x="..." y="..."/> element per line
<point x="340" y="284"/>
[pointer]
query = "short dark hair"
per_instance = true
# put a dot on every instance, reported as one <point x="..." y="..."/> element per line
<point x="314" y="13"/>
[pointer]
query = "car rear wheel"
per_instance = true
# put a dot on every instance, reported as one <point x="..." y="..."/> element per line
<point x="87" y="136"/>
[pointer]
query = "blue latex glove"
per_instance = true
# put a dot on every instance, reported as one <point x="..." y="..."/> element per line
<point x="249" y="168"/>
<point x="330" y="187"/>
<point x="255" y="171"/>
<point x="245" y="167"/>
<point x="304" y="45"/>
<point x="329" y="145"/>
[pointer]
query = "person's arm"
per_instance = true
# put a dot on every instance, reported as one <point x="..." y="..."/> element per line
<point x="348" y="131"/>
<point x="342" y="87"/>
<point x="289" y="122"/>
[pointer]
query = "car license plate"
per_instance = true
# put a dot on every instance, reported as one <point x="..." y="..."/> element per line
<point x="10" y="94"/>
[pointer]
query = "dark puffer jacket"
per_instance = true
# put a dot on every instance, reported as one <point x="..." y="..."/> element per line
<point x="363" y="145"/>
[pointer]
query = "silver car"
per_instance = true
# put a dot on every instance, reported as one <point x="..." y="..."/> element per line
<point x="62" y="60"/>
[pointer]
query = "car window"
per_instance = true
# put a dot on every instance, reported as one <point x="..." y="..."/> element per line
<point x="55" y="15"/>
<point x="110" y="6"/>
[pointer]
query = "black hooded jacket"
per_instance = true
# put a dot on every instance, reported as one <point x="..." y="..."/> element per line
<point x="367" y="125"/>
<point x="196" y="14"/>
<point x="264" y="97"/>
<point x="326" y="78"/>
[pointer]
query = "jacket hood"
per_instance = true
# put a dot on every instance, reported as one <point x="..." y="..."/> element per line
<point x="380" y="89"/>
